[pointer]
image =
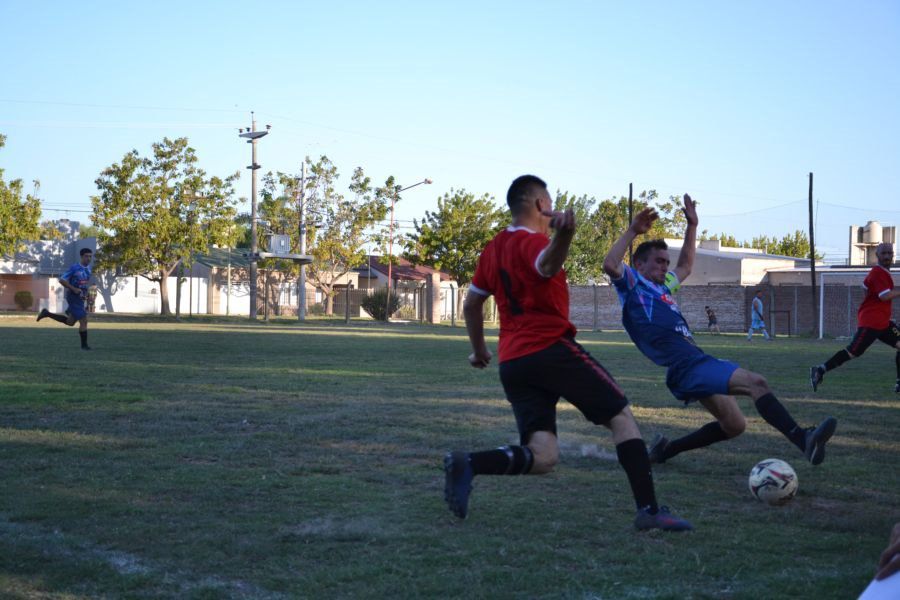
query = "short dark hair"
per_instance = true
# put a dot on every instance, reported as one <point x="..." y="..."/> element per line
<point x="705" y="307"/>
<point x="521" y="189"/>
<point x="85" y="251"/>
<point x="643" y="251"/>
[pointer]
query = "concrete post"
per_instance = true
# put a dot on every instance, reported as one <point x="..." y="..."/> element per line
<point x="433" y="298"/>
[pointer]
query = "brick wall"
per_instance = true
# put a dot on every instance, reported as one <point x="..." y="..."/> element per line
<point x="598" y="307"/>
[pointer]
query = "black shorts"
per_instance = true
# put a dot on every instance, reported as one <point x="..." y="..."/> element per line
<point x="534" y="384"/>
<point x="866" y="336"/>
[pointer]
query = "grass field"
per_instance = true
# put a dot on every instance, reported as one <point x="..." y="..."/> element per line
<point x="226" y="460"/>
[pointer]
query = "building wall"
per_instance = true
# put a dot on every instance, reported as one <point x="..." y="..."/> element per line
<point x="10" y="284"/>
<point x="786" y="308"/>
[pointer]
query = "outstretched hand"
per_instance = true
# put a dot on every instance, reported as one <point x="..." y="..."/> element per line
<point x="690" y="210"/>
<point x="890" y="558"/>
<point x="561" y="220"/>
<point x="480" y="360"/>
<point x="643" y="221"/>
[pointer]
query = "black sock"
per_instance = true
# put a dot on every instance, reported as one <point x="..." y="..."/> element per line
<point x="58" y="318"/>
<point x="505" y="460"/>
<point x="83" y="336"/>
<point x="897" y="361"/>
<point x="839" y="358"/>
<point x="776" y="415"/>
<point x="633" y="458"/>
<point x="706" y="435"/>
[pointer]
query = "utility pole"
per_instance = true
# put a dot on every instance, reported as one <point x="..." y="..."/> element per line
<point x="630" y="217"/>
<point x="301" y="295"/>
<point x="395" y="196"/>
<point x="812" y="256"/>
<point x="252" y="135"/>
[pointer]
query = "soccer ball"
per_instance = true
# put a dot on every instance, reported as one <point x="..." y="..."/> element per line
<point x="773" y="481"/>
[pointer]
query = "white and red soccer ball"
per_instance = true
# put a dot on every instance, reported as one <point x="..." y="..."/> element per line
<point x="773" y="481"/>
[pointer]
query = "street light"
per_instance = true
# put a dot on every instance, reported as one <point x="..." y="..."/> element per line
<point x="394" y="196"/>
<point x="252" y="135"/>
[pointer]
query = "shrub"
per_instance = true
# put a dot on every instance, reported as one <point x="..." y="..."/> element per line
<point x="317" y="309"/>
<point x="23" y="299"/>
<point x="374" y="304"/>
<point x="407" y="312"/>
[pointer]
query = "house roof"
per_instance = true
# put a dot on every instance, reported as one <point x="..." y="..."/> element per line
<point x="402" y="269"/>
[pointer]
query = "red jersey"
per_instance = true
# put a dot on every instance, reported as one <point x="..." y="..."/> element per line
<point x="534" y="310"/>
<point x="873" y="312"/>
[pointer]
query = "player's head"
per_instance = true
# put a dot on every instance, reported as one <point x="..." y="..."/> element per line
<point x="706" y="307"/>
<point x="759" y="293"/>
<point x="885" y="254"/>
<point x="86" y="254"/>
<point x="651" y="259"/>
<point x="528" y="193"/>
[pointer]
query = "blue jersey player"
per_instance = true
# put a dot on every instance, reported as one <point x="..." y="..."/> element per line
<point x="76" y="281"/>
<point x="653" y="320"/>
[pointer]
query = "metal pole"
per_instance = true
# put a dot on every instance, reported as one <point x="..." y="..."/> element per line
<point x="228" y="295"/>
<point x="253" y="240"/>
<point x="812" y="255"/>
<point x="347" y="304"/>
<point x="387" y="302"/>
<point x="191" y="291"/>
<point x="301" y="307"/>
<point x="453" y="292"/>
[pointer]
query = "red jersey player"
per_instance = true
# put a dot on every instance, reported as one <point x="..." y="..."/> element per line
<point x="540" y="361"/>
<point x="873" y="319"/>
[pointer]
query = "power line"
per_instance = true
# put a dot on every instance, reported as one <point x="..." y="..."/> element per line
<point x="124" y="106"/>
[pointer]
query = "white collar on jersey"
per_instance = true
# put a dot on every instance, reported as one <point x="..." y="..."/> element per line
<point x="512" y="228"/>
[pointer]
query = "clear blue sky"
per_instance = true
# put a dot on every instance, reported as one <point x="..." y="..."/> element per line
<point x="733" y="102"/>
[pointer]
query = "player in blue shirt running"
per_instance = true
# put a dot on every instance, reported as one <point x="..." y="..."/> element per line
<point x="76" y="280"/>
<point x="656" y="325"/>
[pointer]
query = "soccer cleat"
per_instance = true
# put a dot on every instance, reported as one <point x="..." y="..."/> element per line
<point x="663" y="519"/>
<point x="816" y="437"/>
<point x="85" y="347"/>
<point x="816" y="375"/>
<point x="43" y="314"/>
<point x="458" y="476"/>
<point x="897" y="387"/>
<point x="657" y="449"/>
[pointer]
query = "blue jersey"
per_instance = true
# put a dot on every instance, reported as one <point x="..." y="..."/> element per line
<point x="653" y="320"/>
<point x="79" y="276"/>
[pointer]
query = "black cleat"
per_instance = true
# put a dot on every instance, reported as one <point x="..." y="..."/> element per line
<point x="816" y="437"/>
<point x="816" y="375"/>
<point x="458" y="476"/>
<point x="657" y="449"/>
<point x="663" y="519"/>
<point x="897" y="387"/>
<point x="43" y="314"/>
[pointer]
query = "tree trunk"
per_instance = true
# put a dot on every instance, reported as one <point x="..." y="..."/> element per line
<point x="329" y="302"/>
<point x="164" y="293"/>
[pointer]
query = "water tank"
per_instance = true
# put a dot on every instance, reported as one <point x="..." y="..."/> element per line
<point x="872" y="233"/>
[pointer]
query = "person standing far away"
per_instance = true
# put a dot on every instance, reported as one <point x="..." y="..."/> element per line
<point x="713" y="321"/>
<point x="656" y="326"/>
<point x="540" y="361"/>
<point x="76" y="281"/>
<point x="756" y="317"/>
<point x="873" y="319"/>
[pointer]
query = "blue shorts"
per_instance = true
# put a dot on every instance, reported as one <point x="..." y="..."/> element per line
<point x="757" y="323"/>
<point x="700" y="378"/>
<point x="76" y="306"/>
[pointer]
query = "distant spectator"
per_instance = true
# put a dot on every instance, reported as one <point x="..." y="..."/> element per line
<point x="756" y="314"/>
<point x="713" y="321"/>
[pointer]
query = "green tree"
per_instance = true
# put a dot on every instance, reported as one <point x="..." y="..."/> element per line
<point x="19" y="216"/>
<point x="451" y="238"/>
<point x="337" y="226"/>
<point x="155" y="211"/>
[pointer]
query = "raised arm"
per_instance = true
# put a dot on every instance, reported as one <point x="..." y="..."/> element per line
<point x="642" y="222"/>
<point x="689" y="248"/>
<point x="473" y="310"/>
<point x="553" y="257"/>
